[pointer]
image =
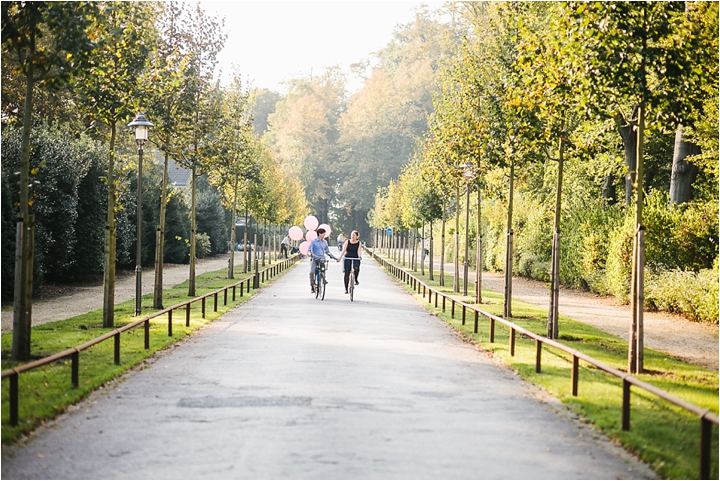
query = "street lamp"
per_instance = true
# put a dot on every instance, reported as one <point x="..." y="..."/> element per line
<point x="142" y="128"/>
<point x="469" y="175"/>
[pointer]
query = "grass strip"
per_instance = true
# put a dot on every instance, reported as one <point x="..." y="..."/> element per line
<point x="661" y="434"/>
<point x="47" y="391"/>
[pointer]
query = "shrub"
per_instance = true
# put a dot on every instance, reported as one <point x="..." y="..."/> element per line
<point x="92" y="212"/>
<point x="61" y="167"/>
<point x="679" y="236"/>
<point x="587" y="228"/>
<point x="694" y="295"/>
<point x="495" y="235"/>
<point x="202" y="245"/>
<point x="177" y="225"/>
<point x="211" y="217"/>
<point x="618" y="268"/>
<point x="533" y="232"/>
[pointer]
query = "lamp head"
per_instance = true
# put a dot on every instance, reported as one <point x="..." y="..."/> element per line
<point x="142" y="128"/>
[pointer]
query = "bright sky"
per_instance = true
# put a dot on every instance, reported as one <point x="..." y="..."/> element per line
<point x="271" y="41"/>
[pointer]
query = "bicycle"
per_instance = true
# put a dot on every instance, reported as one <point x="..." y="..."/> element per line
<point x="351" y="282"/>
<point x="320" y="281"/>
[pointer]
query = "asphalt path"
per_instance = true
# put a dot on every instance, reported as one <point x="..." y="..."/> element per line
<point x="286" y="386"/>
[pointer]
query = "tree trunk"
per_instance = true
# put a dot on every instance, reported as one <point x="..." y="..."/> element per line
<point x="507" y="304"/>
<point x="274" y="243"/>
<point x="553" y="312"/>
<point x="264" y="243"/>
<point x="442" y="244"/>
<point x="608" y="192"/>
<point x="193" y="228"/>
<point x="22" y="302"/>
<point x="430" y="254"/>
<point x="456" y="241"/>
<point x="629" y="138"/>
<point x="254" y="253"/>
<point x="683" y="172"/>
<point x="110" y="240"/>
<point x="160" y="241"/>
<point x="22" y="306"/>
<point x="422" y="251"/>
<point x="479" y="254"/>
<point x="245" y="243"/>
<point x="413" y="262"/>
<point x="637" y="296"/>
<point x="231" y="266"/>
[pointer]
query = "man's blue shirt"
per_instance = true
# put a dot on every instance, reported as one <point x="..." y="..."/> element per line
<point x="318" y="248"/>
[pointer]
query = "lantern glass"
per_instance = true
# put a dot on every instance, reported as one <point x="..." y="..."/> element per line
<point x="141" y="132"/>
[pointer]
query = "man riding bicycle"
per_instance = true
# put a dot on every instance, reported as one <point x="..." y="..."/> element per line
<point x="317" y="250"/>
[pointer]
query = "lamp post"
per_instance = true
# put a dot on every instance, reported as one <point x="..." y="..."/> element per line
<point x="142" y="127"/>
<point x="468" y="174"/>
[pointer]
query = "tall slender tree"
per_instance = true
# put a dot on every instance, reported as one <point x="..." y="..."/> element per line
<point x="199" y="123"/>
<point x="46" y="43"/>
<point x="166" y="81"/>
<point x="236" y="163"/>
<point x="633" y="53"/>
<point x="111" y="92"/>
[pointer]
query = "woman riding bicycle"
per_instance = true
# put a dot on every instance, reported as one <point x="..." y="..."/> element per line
<point x="317" y="250"/>
<point x="353" y="249"/>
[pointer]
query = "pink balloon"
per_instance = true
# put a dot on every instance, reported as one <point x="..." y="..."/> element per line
<point x="327" y="228"/>
<point x="311" y="235"/>
<point x="304" y="248"/>
<point x="311" y="222"/>
<point x="295" y="233"/>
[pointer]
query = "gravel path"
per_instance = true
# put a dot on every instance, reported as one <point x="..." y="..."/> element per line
<point x="82" y="300"/>
<point x="690" y="341"/>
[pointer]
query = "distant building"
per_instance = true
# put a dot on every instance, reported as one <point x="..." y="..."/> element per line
<point x="177" y="176"/>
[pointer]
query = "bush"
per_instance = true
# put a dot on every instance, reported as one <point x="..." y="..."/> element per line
<point x="679" y="236"/>
<point x="60" y="167"/>
<point x="618" y="268"/>
<point x="694" y="295"/>
<point x="211" y="217"/>
<point x="495" y="238"/>
<point x="202" y="245"/>
<point x="177" y="229"/>
<point x="533" y="232"/>
<point x="92" y="213"/>
<point x="585" y="244"/>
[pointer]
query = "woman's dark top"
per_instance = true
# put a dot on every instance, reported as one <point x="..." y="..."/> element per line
<point x="352" y="250"/>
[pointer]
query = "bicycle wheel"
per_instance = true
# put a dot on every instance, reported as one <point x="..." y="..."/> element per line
<point x="322" y="286"/>
<point x="351" y="284"/>
<point x="318" y="283"/>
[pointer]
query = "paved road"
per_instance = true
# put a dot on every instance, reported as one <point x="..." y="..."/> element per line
<point x="289" y="387"/>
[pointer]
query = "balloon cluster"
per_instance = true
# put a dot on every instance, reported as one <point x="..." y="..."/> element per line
<point x="312" y="224"/>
